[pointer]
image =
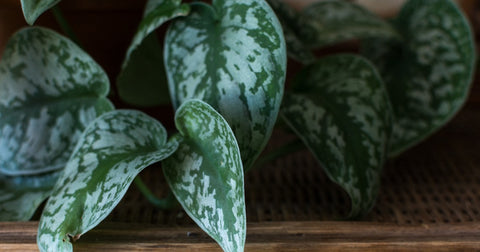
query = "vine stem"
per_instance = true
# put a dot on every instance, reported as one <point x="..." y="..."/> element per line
<point x="290" y="147"/>
<point x="166" y="203"/>
<point x="64" y="25"/>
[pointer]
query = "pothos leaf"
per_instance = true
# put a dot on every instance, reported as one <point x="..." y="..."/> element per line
<point x="50" y="90"/>
<point x="428" y="75"/>
<point x="157" y="13"/>
<point x="206" y="174"/>
<point x="232" y="56"/>
<point x="32" y="9"/>
<point x="332" y="21"/>
<point x="341" y="111"/>
<point x="289" y="17"/>
<point x="143" y="81"/>
<point x="153" y="5"/>
<point x="20" y="196"/>
<point x="109" y="155"/>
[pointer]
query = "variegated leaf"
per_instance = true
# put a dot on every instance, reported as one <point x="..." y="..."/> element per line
<point x="143" y="81"/>
<point x="332" y="21"/>
<point x="110" y="154"/>
<point x="32" y="9"/>
<point x="20" y="196"/>
<point x="341" y="111"/>
<point x="428" y="75"/>
<point x="50" y="90"/>
<point x="153" y="5"/>
<point x="157" y="12"/>
<point x="206" y="174"/>
<point x="289" y="18"/>
<point x="232" y="56"/>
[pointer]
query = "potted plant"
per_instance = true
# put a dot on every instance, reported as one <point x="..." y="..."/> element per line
<point x="225" y="66"/>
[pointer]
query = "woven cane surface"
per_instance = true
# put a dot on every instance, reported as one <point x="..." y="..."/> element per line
<point x="438" y="181"/>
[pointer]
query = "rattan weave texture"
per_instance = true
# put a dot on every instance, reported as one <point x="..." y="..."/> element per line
<point x="436" y="182"/>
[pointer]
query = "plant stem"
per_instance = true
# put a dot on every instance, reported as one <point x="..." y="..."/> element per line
<point x="64" y="25"/>
<point x="166" y="203"/>
<point x="293" y="146"/>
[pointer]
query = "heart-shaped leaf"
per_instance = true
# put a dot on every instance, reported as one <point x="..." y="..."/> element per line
<point x="231" y="55"/>
<point x="50" y="90"/>
<point x="110" y="154"/>
<point x="332" y="21"/>
<point x="341" y="111"/>
<point x="143" y="81"/>
<point x="428" y="75"/>
<point x="32" y="9"/>
<point x="289" y="17"/>
<point x="20" y="196"/>
<point x="206" y="174"/>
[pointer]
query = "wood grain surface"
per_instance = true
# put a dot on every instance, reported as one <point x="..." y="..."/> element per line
<point x="268" y="236"/>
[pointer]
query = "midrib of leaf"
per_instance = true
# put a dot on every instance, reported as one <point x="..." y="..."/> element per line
<point x="215" y="40"/>
<point x="138" y="152"/>
<point x="214" y="55"/>
<point x="99" y="173"/>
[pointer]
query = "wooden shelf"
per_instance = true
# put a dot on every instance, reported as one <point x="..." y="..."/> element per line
<point x="269" y="236"/>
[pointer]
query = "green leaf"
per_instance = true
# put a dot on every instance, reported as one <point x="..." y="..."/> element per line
<point x="341" y="111"/>
<point x="157" y="12"/>
<point x="428" y="75"/>
<point x="289" y="17"/>
<point x="231" y="55"/>
<point x="333" y="21"/>
<point x="206" y="174"/>
<point x="32" y="9"/>
<point x="143" y="81"/>
<point x="20" y="196"/>
<point x="110" y="154"/>
<point x="50" y="90"/>
<point x="154" y="5"/>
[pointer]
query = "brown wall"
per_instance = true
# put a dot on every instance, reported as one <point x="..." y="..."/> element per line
<point x="104" y="27"/>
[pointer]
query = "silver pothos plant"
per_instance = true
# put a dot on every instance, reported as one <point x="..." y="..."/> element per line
<point x="223" y="67"/>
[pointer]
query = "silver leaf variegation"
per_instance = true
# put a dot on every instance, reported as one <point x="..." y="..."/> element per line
<point x="50" y="90"/>
<point x="20" y="196"/>
<point x="231" y="55"/>
<point x="428" y="75"/>
<point x="332" y="21"/>
<point x="206" y="174"/>
<point x="112" y="151"/>
<point x="340" y="109"/>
